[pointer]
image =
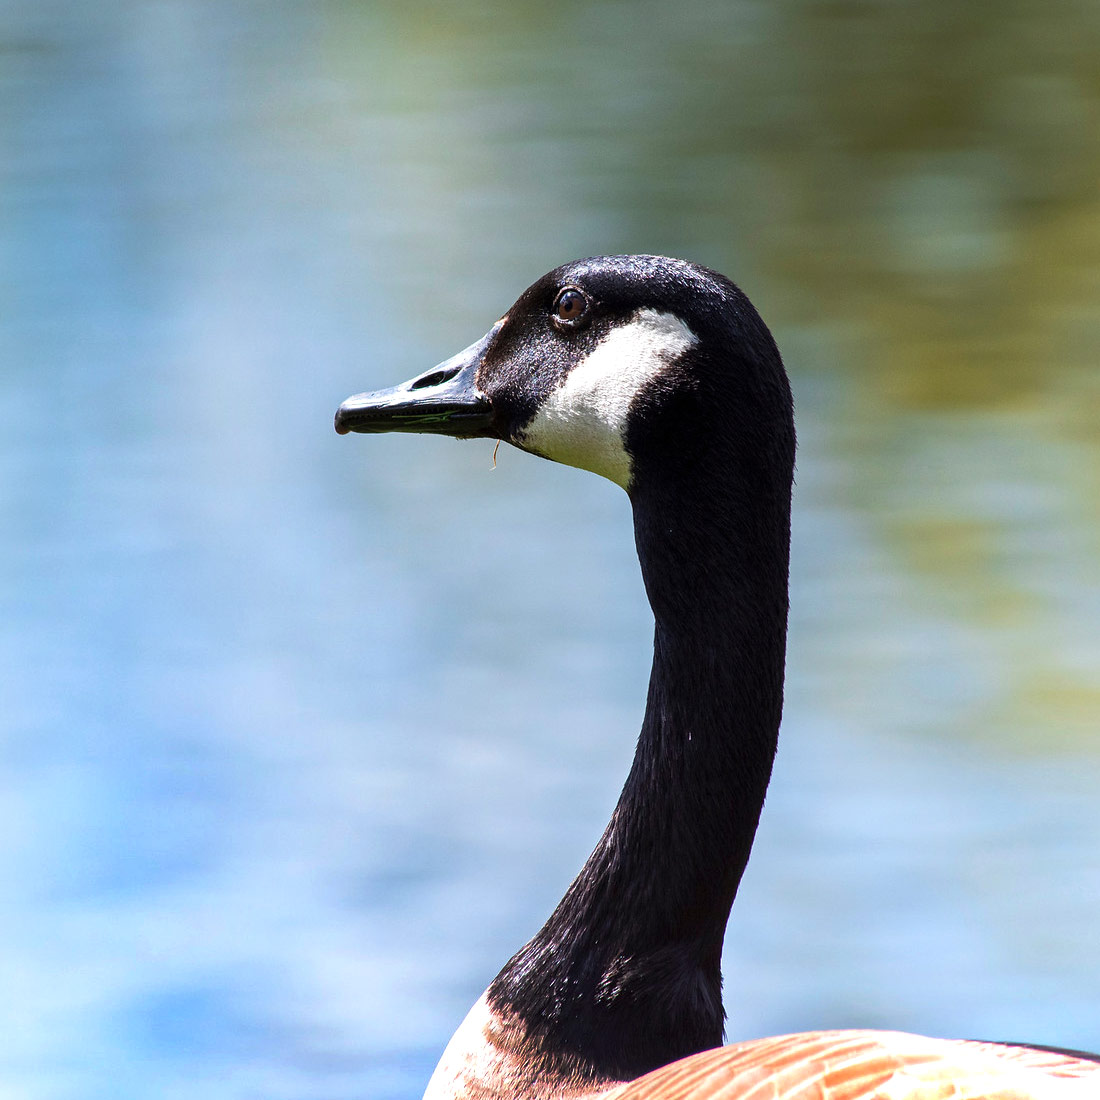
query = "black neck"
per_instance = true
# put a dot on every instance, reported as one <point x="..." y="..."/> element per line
<point x="625" y="975"/>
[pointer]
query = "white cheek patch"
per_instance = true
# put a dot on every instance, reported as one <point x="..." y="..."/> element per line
<point x="583" y="422"/>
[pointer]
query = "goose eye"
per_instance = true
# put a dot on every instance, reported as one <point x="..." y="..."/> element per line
<point x="570" y="307"/>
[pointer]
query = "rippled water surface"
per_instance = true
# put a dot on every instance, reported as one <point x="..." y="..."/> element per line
<point x="301" y="736"/>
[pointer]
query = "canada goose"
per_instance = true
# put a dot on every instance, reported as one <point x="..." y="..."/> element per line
<point x="661" y="376"/>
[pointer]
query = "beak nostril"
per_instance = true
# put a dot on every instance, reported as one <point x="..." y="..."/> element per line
<point x="434" y="378"/>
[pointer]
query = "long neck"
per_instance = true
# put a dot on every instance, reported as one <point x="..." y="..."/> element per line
<point x="625" y="974"/>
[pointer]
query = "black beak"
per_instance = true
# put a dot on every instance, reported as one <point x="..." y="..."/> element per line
<point x="445" y="401"/>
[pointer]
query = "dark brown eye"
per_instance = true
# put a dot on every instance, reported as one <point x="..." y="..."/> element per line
<point x="570" y="306"/>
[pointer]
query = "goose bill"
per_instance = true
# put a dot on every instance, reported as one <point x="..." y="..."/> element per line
<point x="444" y="401"/>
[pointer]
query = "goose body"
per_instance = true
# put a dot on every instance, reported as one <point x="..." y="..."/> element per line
<point x="659" y="375"/>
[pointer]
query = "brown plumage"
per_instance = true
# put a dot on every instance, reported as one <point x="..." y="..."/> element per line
<point x="867" y="1065"/>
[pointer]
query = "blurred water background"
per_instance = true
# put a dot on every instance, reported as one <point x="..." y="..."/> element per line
<point x="301" y="736"/>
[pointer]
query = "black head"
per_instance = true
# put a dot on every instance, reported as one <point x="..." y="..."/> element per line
<point x="603" y="363"/>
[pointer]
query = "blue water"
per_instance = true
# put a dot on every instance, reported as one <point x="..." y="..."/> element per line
<point x="301" y="736"/>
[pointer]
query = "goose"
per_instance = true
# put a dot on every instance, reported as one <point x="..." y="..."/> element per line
<point x="660" y="375"/>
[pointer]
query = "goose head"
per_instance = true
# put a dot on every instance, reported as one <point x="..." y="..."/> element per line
<point x="622" y="365"/>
